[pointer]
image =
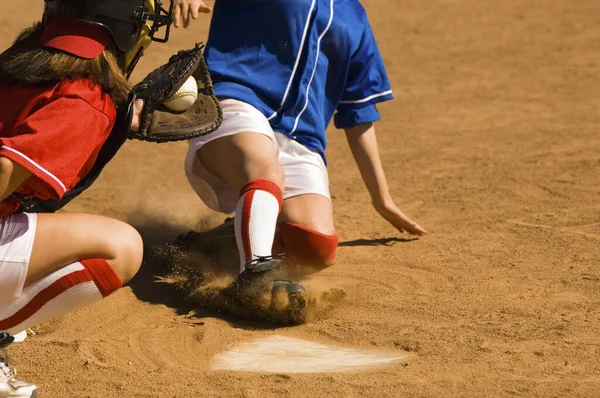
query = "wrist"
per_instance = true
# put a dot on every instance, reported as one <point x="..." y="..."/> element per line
<point x="381" y="202"/>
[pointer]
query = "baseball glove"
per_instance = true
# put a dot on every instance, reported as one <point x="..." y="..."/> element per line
<point x="158" y="123"/>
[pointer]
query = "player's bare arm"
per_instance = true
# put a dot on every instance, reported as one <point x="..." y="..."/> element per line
<point x="363" y="144"/>
<point x="12" y="175"/>
<point x="186" y="10"/>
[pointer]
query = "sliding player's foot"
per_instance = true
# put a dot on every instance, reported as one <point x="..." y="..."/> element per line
<point x="267" y="294"/>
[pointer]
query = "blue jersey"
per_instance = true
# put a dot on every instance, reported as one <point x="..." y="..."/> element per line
<point x="299" y="62"/>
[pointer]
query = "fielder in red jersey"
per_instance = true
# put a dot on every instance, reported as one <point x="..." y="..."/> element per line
<point x="55" y="134"/>
<point x="61" y="85"/>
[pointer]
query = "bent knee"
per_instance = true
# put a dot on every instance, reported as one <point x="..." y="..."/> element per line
<point x="308" y="247"/>
<point x="128" y="249"/>
<point x="274" y="173"/>
<point x="242" y="157"/>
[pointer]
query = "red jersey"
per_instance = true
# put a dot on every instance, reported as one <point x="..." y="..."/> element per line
<point x="55" y="133"/>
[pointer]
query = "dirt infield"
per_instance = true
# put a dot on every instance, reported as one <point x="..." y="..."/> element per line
<point x="492" y="144"/>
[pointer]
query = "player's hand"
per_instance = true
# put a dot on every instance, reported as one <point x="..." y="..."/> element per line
<point x="185" y="10"/>
<point x="398" y="219"/>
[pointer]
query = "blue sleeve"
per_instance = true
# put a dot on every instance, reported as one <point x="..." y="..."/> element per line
<point x="367" y="84"/>
<point x="353" y="117"/>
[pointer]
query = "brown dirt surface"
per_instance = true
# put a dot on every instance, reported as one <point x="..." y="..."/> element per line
<point x="491" y="144"/>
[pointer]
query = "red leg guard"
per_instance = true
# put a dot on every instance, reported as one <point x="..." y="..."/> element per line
<point x="306" y="247"/>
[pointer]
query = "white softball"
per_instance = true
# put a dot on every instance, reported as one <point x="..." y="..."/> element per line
<point x="184" y="97"/>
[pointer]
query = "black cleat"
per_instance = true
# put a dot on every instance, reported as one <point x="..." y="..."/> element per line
<point x="262" y="290"/>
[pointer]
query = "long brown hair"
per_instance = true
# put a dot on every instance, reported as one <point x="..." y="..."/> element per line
<point x="27" y="63"/>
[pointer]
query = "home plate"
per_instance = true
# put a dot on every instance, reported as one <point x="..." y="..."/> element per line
<point x="278" y="354"/>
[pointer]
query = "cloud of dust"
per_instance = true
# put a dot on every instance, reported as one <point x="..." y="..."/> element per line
<point x="324" y="295"/>
<point x="202" y="263"/>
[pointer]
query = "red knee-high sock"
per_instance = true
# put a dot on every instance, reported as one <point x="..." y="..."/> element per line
<point x="256" y="218"/>
<point x="62" y="291"/>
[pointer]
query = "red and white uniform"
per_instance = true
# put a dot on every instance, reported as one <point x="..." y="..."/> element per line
<point x="55" y="133"/>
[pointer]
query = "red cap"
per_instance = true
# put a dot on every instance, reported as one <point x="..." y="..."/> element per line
<point x="82" y="39"/>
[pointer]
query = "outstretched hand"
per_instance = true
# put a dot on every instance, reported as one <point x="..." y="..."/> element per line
<point x="398" y="219"/>
<point x="185" y="10"/>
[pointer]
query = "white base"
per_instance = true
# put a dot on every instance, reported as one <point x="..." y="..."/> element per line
<point x="278" y="354"/>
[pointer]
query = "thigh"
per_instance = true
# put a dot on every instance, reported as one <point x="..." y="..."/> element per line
<point x="306" y="198"/>
<point x="217" y="169"/>
<point x="313" y="211"/>
<point x="305" y="171"/>
<point x="242" y="157"/>
<point x="243" y="148"/>
<point x="64" y="238"/>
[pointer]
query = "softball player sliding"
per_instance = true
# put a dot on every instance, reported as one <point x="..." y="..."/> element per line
<point x="282" y="70"/>
<point x="60" y="85"/>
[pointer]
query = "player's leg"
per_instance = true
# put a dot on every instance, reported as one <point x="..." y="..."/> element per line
<point x="254" y="170"/>
<point x="248" y="162"/>
<point x="241" y="158"/>
<point x="236" y="169"/>
<point x="306" y="232"/>
<point x="41" y="277"/>
<point x="312" y="211"/>
<point x="69" y="260"/>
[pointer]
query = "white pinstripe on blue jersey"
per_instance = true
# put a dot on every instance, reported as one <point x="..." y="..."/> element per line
<point x="300" y="62"/>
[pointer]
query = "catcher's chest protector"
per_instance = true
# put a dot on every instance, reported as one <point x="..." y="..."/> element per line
<point x="111" y="146"/>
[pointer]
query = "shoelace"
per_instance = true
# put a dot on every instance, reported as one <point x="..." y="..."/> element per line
<point x="255" y="263"/>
